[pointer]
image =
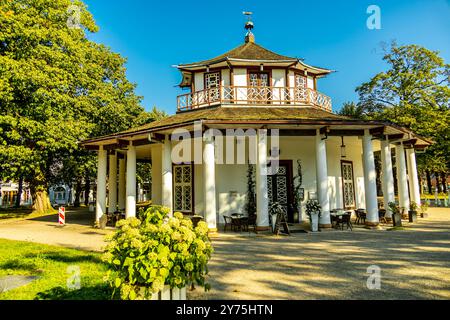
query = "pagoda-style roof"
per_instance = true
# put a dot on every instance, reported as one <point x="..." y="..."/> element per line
<point x="251" y="53"/>
<point x="279" y="117"/>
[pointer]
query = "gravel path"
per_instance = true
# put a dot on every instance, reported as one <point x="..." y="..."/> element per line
<point x="78" y="233"/>
<point x="414" y="263"/>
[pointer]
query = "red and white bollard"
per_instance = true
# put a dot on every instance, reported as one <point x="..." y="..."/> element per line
<point x="62" y="216"/>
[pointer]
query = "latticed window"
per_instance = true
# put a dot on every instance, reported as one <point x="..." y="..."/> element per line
<point x="212" y="84"/>
<point x="348" y="184"/>
<point x="300" y="87"/>
<point x="259" y="90"/>
<point x="183" y="186"/>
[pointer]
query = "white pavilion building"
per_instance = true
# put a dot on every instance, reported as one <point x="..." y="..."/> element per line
<point x="250" y="105"/>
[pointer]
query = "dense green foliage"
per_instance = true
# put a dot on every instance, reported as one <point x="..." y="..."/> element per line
<point x="147" y="253"/>
<point x="414" y="92"/>
<point x="56" y="88"/>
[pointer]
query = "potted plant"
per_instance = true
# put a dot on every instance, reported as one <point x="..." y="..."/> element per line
<point x="396" y="214"/>
<point x="412" y="213"/>
<point x="314" y="211"/>
<point x="424" y="209"/>
<point x="156" y="256"/>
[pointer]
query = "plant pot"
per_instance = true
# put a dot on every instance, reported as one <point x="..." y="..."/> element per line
<point x="314" y="222"/>
<point x="424" y="215"/>
<point x="412" y="215"/>
<point x="169" y="294"/>
<point x="397" y="220"/>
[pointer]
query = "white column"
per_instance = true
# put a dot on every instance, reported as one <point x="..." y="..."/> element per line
<point x="101" y="184"/>
<point x="414" y="187"/>
<point x="122" y="187"/>
<point x="209" y="177"/>
<point x="388" y="176"/>
<point x="130" y="208"/>
<point x="322" y="181"/>
<point x="112" y="183"/>
<point x="262" y="200"/>
<point x="167" y="174"/>
<point x="156" y="174"/>
<point x="370" y="180"/>
<point x="401" y="177"/>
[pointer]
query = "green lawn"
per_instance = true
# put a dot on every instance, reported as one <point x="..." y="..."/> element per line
<point x="51" y="264"/>
<point x="21" y="213"/>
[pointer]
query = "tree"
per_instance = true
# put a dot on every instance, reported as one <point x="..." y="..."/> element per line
<point x="56" y="88"/>
<point x="353" y="110"/>
<point x="414" y="92"/>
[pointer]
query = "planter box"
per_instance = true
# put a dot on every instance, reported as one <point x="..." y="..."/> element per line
<point x="314" y="222"/>
<point x="397" y="220"/>
<point x="170" y="294"/>
<point x="424" y="215"/>
<point x="412" y="215"/>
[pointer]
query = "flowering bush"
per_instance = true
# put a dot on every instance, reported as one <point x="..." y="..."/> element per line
<point x="145" y="254"/>
<point x="313" y="207"/>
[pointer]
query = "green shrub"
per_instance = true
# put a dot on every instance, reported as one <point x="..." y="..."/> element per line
<point x="145" y="254"/>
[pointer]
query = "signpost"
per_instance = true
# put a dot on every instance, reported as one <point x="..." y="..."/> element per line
<point x="62" y="216"/>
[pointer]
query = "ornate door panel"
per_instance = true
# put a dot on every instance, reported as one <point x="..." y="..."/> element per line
<point x="279" y="188"/>
<point x="348" y="185"/>
<point x="259" y="91"/>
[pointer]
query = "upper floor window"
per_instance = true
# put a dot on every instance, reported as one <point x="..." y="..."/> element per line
<point x="212" y="85"/>
<point x="301" y="85"/>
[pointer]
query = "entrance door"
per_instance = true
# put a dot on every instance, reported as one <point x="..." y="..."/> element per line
<point x="348" y="185"/>
<point x="259" y="90"/>
<point x="279" y="188"/>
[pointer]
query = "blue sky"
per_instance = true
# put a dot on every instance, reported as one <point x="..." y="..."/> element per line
<point x="154" y="35"/>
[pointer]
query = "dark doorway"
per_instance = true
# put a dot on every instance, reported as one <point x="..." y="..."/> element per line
<point x="279" y="188"/>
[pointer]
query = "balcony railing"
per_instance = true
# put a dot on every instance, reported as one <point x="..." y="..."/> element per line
<point x="253" y="96"/>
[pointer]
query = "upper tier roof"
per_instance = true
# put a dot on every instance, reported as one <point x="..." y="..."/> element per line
<point x="249" y="53"/>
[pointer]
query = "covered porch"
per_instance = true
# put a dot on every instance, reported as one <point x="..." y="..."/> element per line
<point x="210" y="178"/>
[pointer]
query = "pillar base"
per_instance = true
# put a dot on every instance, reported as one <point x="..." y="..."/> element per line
<point x="213" y="232"/>
<point x="262" y="228"/>
<point x="326" y="226"/>
<point x="372" y="225"/>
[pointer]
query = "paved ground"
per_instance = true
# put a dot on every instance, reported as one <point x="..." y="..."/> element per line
<point x="415" y="263"/>
<point x="77" y="234"/>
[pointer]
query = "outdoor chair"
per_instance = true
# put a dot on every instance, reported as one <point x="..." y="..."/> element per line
<point x="360" y="216"/>
<point x="228" y="222"/>
<point x="345" y="220"/>
<point x="382" y="215"/>
<point x="249" y="222"/>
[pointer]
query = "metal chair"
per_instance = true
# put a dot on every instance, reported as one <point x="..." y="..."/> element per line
<point x="360" y="216"/>
<point x="228" y="222"/>
<point x="345" y="220"/>
<point x="382" y="215"/>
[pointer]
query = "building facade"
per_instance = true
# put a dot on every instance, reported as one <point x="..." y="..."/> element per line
<point x="253" y="109"/>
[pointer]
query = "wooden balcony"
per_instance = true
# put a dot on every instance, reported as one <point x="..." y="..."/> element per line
<point x="265" y="96"/>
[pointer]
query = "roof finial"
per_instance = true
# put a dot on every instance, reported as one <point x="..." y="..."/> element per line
<point x="249" y="37"/>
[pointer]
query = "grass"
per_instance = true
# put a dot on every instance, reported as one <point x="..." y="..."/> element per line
<point x="51" y="264"/>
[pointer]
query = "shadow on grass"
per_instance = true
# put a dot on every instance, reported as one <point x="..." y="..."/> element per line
<point x="67" y="258"/>
<point x="17" y="264"/>
<point x="98" y="292"/>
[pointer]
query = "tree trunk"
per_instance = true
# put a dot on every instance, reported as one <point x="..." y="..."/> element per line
<point x="438" y="185"/>
<point x="78" y="191"/>
<point x="87" y="191"/>
<point x="444" y="182"/>
<point x="429" y="184"/>
<point x="41" y="200"/>
<point x="19" y="193"/>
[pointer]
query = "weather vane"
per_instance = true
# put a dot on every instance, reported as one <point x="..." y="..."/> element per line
<point x="249" y="24"/>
